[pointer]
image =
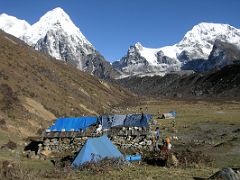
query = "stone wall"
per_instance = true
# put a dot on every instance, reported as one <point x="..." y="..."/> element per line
<point x="134" y="139"/>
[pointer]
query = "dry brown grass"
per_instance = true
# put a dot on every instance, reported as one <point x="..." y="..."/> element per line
<point x="132" y="171"/>
<point x="200" y="126"/>
<point x="35" y="88"/>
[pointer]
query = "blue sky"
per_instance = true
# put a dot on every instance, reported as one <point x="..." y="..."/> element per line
<point x="113" y="25"/>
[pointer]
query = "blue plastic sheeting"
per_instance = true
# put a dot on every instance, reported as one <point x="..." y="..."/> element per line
<point x="96" y="149"/>
<point x="173" y="113"/>
<point x="133" y="157"/>
<point x="130" y="120"/>
<point x="136" y="120"/>
<point x="73" y="124"/>
<point x="109" y="121"/>
<point x="118" y="120"/>
<point x="148" y="116"/>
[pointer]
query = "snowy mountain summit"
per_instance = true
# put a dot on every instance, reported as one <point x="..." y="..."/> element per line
<point x="196" y="44"/>
<point x="12" y="25"/>
<point x="54" y="20"/>
<point x="201" y="38"/>
<point x="55" y="34"/>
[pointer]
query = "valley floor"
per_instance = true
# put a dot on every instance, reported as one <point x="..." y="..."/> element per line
<point x="209" y="127"/>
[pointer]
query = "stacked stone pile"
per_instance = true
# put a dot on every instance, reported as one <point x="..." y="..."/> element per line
<point x="134" y="138"/>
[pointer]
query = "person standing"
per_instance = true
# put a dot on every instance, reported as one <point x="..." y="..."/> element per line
<point x="168" y="143"/>
<point x="157" y="136"/>
<point x="157" y="133"/>
<point x="173" y="123"/>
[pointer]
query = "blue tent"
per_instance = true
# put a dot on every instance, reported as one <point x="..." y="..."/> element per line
<point x="169" y="115"/>
<point x="73" y="124"/>
<point x="96" y="149"/>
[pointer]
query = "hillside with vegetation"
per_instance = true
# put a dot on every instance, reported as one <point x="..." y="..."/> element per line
<point x="35" y="89"/>
<point x="221" y="84"/>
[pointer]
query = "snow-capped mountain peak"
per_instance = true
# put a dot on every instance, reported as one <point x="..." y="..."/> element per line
<point x="139" y="46"/>
<point x="147" y="53"/>
<point x="203" y="36"/>
<point x="55" y="34"/>
<point x="203" y="31"/>
<point x="53" y="20"/>
<point x="12" y="25"/>
<point x="195" y="45"/>
<point x="150" y="54"/>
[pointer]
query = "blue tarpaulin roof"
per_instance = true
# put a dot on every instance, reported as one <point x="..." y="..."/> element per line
<point x="148" y="116"/>
<point x="73" y="123"/>
<point x="96" y="149"/>
<point x="137" y="120"/>
<point x="109" y="121"/>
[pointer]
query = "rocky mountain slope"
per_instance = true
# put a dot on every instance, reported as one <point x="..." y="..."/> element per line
<point x="55" y="34"/>
<point x="222" y="54"/>
<point x="223" y="83"/>
<point x="35" y="89"/>
<point x="196" y="44"/>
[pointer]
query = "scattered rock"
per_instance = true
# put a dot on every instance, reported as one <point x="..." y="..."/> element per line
<point x="236" y="130"/>
<point x="172" y="161"/>
<point x="226" y="174"/>
<point x="3" y="124"/>
<point x="45" y="152"/>
<point x="10" y="145"/>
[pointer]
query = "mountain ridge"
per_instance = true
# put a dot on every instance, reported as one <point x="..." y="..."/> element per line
<point x="218" y="84"/>
<point x="196" y="44"/>
<point x="55" y="34"/>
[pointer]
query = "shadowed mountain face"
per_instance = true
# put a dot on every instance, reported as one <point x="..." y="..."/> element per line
<point x="218" y="76"/>
<point x="224" y="83"/>
<point x="35" y="88"/>
<point x="221" y="55"/>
